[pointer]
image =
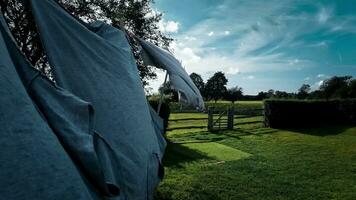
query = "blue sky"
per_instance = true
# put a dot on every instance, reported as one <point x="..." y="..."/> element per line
<point x="261" y="44"/>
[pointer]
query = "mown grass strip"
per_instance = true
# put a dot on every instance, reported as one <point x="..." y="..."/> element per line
<point x="218" y="151"/>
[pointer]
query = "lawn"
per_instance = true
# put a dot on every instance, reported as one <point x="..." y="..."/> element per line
<point x="254" y="162"/>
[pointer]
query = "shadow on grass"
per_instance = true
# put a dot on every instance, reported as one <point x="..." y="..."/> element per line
<point x="189" y="119"/>
<point x="322" y="130"/>
<point x="185" y="127"/>
<point x="237" y="133"/>
<point x="249" y="122"/>
<point x="214" y="136"/>
<point x="177" y="154"/>
<point x="247" y="116"/>
<point x="197" y="137"/>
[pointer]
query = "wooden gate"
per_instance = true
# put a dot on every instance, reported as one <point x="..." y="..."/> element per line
<point x="220" y="119"/>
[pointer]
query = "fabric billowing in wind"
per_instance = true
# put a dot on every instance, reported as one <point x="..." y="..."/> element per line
<point x="34" y="163"/>
<point x="180" y="80"/>
<point x="70" y="118"/>
<point x="95" y="63"/>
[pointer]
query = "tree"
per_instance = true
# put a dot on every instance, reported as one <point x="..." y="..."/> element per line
<point x="316" y="94"/>
<point x="262" y="95"/>
<point x="352" y="88"/>
<point x="167" y="89"/>
<point x="336" y="87"/>
<point x="215" y="87"/>
<point x="303" y="91"/>
<point x="198" y="81"/>
<point x="282" y="94"/>
<point x="270" y="93"/>
<point x="234" y="94"/>
<point x="135" y="16"/>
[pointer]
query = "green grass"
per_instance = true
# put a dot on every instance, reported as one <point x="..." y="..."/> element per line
<point x="254" y="162"/>
<point x="182" y="116"/>
<point x="218" y="151"/>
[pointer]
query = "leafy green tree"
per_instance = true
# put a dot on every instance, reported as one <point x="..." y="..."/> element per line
<point x="262" y="95"/>
<point x="136" y="16"/>
<point x="316" y="94"/>
<point x="352" y="88"/>
<point x="270" y="93"/>
<point x="282" y="94"/>
<point x="198" y="81"/>
<point x="336" y="87"/>
<point x="303" y="91"/>
<point x="234" y="94"/>
<point x="215" y="87"/>
<point x="167" y="89"/>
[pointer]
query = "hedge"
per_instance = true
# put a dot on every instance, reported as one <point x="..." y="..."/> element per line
<point x="245" y="108"/>
<point x="307" y="113"/>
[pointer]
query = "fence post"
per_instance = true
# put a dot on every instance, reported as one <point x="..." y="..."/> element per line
<point x="210" y="118"/>
<point x="230" y="118"/>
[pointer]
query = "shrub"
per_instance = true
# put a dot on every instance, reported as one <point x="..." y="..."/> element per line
<point x="164" y="113"/>
<point x="348" y="108"/>
<point x="303" y="113"/>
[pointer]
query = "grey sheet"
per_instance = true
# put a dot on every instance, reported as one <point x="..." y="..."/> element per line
<point x="180" y="80"/>
<point x="95" y="63"/>
<point x="33" y="163"/>
<point x="70" y="118"/>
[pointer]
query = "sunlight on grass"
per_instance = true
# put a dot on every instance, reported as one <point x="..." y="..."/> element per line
<point x="256" y="162"/>
<point x="218" y="151"/>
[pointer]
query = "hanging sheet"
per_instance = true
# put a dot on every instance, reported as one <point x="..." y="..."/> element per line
<point x="70" y="118"/>
<point x="95" y="63"/>
<point x="33" y="162"/>
<point x="180" y="80"/>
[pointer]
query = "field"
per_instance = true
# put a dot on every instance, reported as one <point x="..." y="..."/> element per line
<point x="255" y="162"/>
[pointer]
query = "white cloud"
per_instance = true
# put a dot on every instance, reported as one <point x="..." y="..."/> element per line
<point x="307" y="78"/>
<point x="233" y="71"/>
<point x="172" y="27"/>
<point x="250" y="77"/>
<point x="321" y="44"/>
<point x="320" y="83"/>
<point x="153" y="13"/>
<point x="241" y="51"/>
<point x="317" y="85"/>
<point x="324" y="15"/>
<point x="261" y="38"/>
<point x="155" y="84"/>
<point x="321" y="76"/>
<point x="190" y="55"/>
<point x="185" y="54"/>
<point x="294" y="62"/>
<point x="168" y="26"/>
<point x="190" y="38"/>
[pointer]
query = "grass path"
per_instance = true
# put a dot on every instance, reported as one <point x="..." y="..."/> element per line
<point x="254" y="162"/>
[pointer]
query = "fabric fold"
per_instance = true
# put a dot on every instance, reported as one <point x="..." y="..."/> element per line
<point x="70" y="118"/>
<point x="95" y="63"/>
<point x="34" y="164"/>
<point x="157" y="123"/>
<point x="180" y="80"/>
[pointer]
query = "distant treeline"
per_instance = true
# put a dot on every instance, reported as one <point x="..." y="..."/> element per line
<point x="337" y="87"/>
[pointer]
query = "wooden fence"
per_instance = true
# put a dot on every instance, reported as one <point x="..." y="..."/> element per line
<point x="220" y="119"/>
